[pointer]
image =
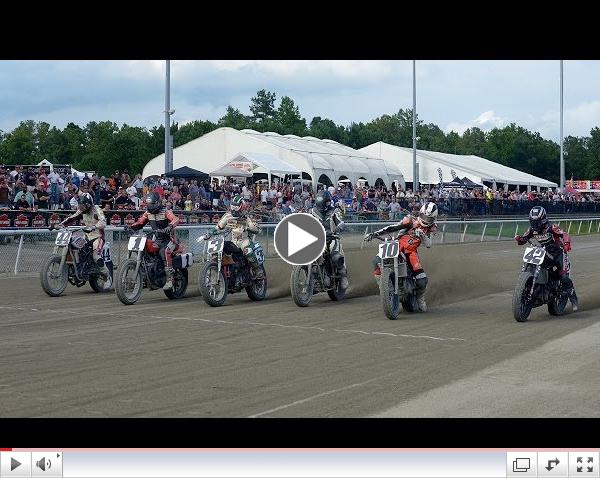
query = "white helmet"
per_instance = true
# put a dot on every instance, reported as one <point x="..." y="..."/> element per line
<point x="428" y="214"/>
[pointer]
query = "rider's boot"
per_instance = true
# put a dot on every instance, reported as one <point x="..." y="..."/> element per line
<point x="377" y="275"/>
<point x="344" y="277"/>
<point x="574" y="300"/>
<point x="169" y="284"/>
<point x="104" y="272"/>
<point x="421" y="301"/>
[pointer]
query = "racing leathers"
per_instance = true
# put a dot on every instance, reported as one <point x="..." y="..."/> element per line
<point x="163" y="225"/>
<point x="243" y="229"/>
<point x="95" y="219"/>
<point x="333" y="223"/>
<point x="557" y="244"/>
<point x="412" y="235"/>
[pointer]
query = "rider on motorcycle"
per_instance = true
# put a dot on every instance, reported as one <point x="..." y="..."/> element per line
<point x="93" y="218"/>
<point x="556" y="242"/>
<point x="163" y="223"/>
<point x="414" y="231"/>
<point x="242" y="229"/>
<point x="332" y="219"/>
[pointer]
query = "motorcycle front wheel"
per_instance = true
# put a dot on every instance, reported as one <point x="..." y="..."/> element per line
<point x="258" y="289"/>
<point x="129" y="284"/>
<point x="53" y="282"/>
<point x="390" y="300"/>
<point x="521" y="303"/>
<point x="302" y="285"/>
<point x="213" y="285"/>
<point x="180" y="283"/>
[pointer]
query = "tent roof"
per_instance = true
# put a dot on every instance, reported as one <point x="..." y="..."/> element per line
<point x="306" y="154"/>
<point x="266" y="163"/>
<point x="186" y="172"/>
<point x="431" y="163"/>
<point x="226" y="170"/>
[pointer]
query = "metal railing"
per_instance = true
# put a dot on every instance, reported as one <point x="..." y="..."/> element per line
<point x="25" y="250"/>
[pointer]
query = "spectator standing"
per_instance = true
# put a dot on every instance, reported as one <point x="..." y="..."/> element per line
<point x="41" y="196"/>
<point x="5" y="192"/>
<point x="30" y="180"/>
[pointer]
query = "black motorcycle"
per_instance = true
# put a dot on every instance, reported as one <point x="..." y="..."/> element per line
<point x="72" y="261"/>
<point x="145" y="267"/>
<point x="320" y="276"/>
<point x="227" y="271"/>
<point x="539" y="284"/>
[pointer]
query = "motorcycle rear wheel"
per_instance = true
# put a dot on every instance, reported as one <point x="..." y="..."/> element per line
<point x="100" y="285"/>
<point x="521" y="304"/>
<point x="126" y="281"/>
<point x="180" y="283"/>
<point x="302" y="285"/>
<point x="390" y="300"/>
<point x="557" y="305"/>
<point x="214" y="295"/>
<point x="337" y="294"/>
<point x="410" y="304"/>
<point x="257" y="291"/>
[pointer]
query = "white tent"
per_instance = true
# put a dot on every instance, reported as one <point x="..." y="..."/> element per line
<point x="323" y="160"/>
<point x="431" y="163"/>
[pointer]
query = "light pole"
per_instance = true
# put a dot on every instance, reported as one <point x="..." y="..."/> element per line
<point x="414" y="121"/>
<point x="168" y="113"/>
<point x="562" y="158"/>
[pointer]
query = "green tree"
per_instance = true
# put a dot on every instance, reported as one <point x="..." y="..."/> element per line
<point x="263" y="111"/>
<point x="287" y="118"/>
<point x="234" y="118"/>
<point x="327" y="129"/>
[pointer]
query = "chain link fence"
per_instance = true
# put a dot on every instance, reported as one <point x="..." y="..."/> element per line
<point x="25" y="250"/>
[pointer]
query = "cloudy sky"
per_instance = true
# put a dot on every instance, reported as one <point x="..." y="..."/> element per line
<point x="452" y="94"/>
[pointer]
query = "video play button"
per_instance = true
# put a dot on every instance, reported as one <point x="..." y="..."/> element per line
<point x="14" y="464"/>
<point x="299" y="239"/>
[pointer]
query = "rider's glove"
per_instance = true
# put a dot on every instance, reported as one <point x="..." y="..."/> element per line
<point x="519" y="240"/>
<point x="206" y="236"/>
<point x="369" y="237"/>
<point x="567" y="246"/>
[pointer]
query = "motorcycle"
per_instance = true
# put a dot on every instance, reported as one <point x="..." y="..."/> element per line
<point x="144" y="268"/>
<point x="227" y="271"/>
<point x="72" y="262"/>
<point x="320" y="276"/>
<point x="538" y="284"/>
<point x="397" y="287"/>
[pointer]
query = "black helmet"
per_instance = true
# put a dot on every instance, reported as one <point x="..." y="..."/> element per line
<point x="85" y="202"/>
<point x="153" y="203"/>
<point x="537" y="218"/>
<point x="323" y="201"/>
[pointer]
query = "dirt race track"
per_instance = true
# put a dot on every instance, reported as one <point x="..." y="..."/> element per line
<point x="86" y="355"/>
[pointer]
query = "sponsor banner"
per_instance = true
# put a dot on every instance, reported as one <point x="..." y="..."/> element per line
<point x="129" y="219"/>
<point x="38" y="221"/>
<point x="595" y="185"/>
<point x="22" y="221"/>
<point x="43" y="219"/>
<point x="115" y="220"/>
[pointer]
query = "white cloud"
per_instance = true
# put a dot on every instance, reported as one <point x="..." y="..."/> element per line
<point x="485" y="121"/>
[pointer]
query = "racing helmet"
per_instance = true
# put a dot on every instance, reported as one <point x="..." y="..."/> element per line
<point x="237" y="205"/>
<point x="428" y="214"/>
<point x="538" y="219"/>
<point x="323" y="201"/>
<point x="153" y="203"/>
<point x="85" y="202"/>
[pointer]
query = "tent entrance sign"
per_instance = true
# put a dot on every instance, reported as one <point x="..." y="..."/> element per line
<point x="249" y="164"/>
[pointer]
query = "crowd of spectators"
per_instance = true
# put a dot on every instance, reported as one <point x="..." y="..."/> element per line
<point x="27" y="188"/>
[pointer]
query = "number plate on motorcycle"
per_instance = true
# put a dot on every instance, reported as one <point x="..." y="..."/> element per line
<point x="258" y="252"/>
<point x="214" y="245"/>
<point x="534" y="255"/>
<point x="136" y="243"/>
<point x="389" y="250"/>
<point x="63" y="238"/>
